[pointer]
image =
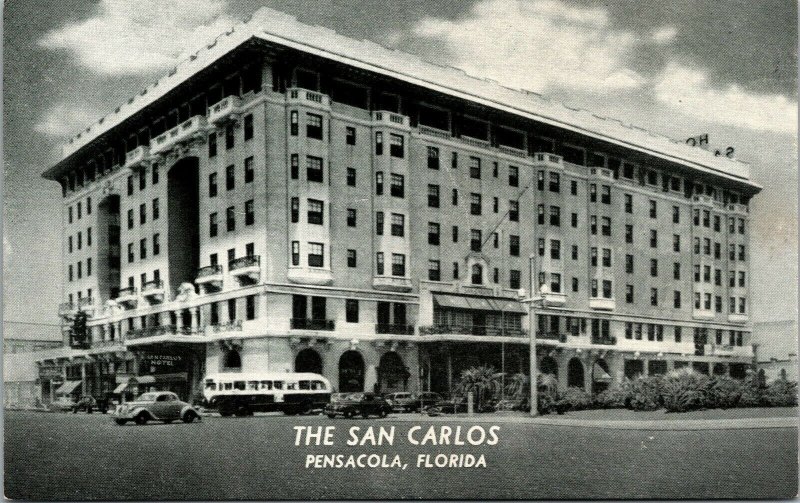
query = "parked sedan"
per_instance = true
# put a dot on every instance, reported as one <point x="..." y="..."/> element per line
<point x="401" y="401"/>
<point x="155" y="406"/>
<point x="365" y="404"/>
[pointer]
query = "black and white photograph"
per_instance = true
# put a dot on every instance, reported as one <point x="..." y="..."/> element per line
<point x="272" y="250"/>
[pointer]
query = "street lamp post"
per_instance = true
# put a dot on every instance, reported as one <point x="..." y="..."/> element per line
<point x="532" y="329"/>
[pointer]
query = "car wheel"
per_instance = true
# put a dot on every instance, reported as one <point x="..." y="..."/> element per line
<point x="121" y="422"/>
<point x="306" y="408"/>
<point x="141" y="418"/>
<point x="348" y="414"/>
<point x="364" y="414"/>
<point x="331" y="416"/>
<point x="382" y="413"/>
<point x="189" y="417"/>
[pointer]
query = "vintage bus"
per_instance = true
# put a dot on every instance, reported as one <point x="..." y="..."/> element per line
<point x="241" y="394"/>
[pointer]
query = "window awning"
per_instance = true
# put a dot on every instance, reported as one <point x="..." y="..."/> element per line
<point x="600" y="375"/>
<point x="120" y="388"/>
<point x="142" y="380"/>
<point x="478" y="303"/>
<point x="68" y="387"/>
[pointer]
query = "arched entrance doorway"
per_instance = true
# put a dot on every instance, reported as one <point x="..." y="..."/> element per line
<point x="549" y="366"/>
<point x="601" y="376"/>
<point x="575" y="374"/>
<point x="308" y="360"/>
<point x="351" y="372"/>
<point x="232" y="361"/>
<point x="392" y="373"/>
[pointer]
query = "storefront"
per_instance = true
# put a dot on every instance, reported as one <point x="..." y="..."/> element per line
<point x="174" y="367"/>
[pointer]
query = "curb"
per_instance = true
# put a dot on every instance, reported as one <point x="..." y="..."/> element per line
<point x="643" y="425"/>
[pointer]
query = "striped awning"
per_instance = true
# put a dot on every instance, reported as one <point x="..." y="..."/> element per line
<point x="68" y="387"/>
<point x="477" y="303"/>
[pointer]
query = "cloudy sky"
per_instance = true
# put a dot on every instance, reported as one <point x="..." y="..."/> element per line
<point x="727" y="68"/>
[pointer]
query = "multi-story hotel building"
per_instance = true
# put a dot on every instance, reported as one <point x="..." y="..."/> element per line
<point x="291" y="199"/>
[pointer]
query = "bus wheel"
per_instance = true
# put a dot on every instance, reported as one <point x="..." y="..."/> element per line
<point x="242" y="410"/>
<point x="306" y="408"/>
<point x="348" y="414"/>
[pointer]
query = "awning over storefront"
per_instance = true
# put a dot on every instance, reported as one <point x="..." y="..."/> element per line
<point x="143" y="380"/>
<point x="478" y="303"/>
<point x="600" y="375"/>
<point x="68" y="387"/>
<point x="120" y="388"/>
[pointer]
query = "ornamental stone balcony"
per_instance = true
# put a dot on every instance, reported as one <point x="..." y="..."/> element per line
<point x="245" y="268"/>
<point x="310" y="275"/>
<point x="137" y="157"/>
<point x="153" y="290"/>
<point x="392" y="283"/>
<point x="193" y="128"/>
<point x="308" y="98"/>
<point x="225" y="110"/>
<point x="209" y="278"/>
<point x="391" y="119"/>
<point x="547" y="159"/>
<point x="602" y="304"/>
<point x="129" y="296"/>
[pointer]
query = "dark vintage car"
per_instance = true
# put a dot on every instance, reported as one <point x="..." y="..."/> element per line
<point x="452" y="406"/>
<point x="87" y="404"/>
<point x="363" y="404"/>
<point x="155" y="406"/>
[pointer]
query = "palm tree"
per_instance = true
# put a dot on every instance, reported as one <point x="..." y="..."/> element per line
<point x="480" y="380"/>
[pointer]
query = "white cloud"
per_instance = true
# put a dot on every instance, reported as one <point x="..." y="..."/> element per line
<point x="124" y="37"/>
<point x="690" y="92"/>
<point x="664" y="35"/>
<point x="539" y="44"/>
<point x="65" y="119"/>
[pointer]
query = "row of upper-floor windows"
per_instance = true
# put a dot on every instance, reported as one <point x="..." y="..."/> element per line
<point x="230" y="177"/>
<point x="76" y="271"/>
<point x="155" y="211"/>
<point x="703" y="301"/>
<point x="77" y="242"/>
<point x="79" y="296"/>
<point x="230" y="218"/>
<point x="77" y="213"/>
<point x="156" y="248"/>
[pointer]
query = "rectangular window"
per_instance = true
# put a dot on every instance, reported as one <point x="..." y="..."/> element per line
<point x="249" y="212"/>
<point x="351" y="258"/>
<point x="314" y="126"/>
<point x="513" y="211"/>
<point x="156" y="244"/>
<point x="315" y="211"/>
<point x="379" y="223"/>
<point x="295" y="210"/>
<point x="605" y="226"/>
<point x="555" y="248"/>
<point x="513" y="176"/>
<point x="475" y="204"/>
<point x="398" y="264"/>
<point x="351" y="217"/>
<point x="496" y="205"/>
<point x="653" y="209"/>
<point x="607" y="289"/>
<point x="593" y="225"/>
<point x="514" y="281"/>
<point x="434" y="270"/>
<point x="573" y="187"/>
<point x="130" y="219"/>
<point x="351" y="177"/>
<point x="212" y="145"/>
<point x="676" y="215"/>
<point x="88" y="236"/>
<point x="231" y="309"/>
<point x="396" y="146"/>
<point x="379" y="183"/>
<point x="454" y="197"/>
<point x="230" y="137"/>
<point x="676" y="270"/>
<point x="433" y="158"/>
<point x="248" y="170"/>
<point x="555" y="282"/>
<point x="250" y="305"/>
<point x="628" y="203"/>
<point x="398" y="225"/>
<point x="212" y="225"/>
<point x="131" y="256"/>
<point x="454" y="161"/>
<point x="676" y="243"/>
<point x="378" y="143"/>
<point x="540" y="180"/>
<point x="230" y="177"/>
<point x="629" y="264"/>
<point x="397" y="188"/>
<point x="495" y="169"/>
<point x="653" y="238"/>
<point x="295" y="253"/>
<point x="629" y="234"/>
<point x="513" y="245"/>
<point x="316" y="255"/>
<point x="593" y="193"/>
<point x="475" y="240"/>
<point x="575" y="284"/>
<point x="433" y="233"/>
<point x="606" y="257"/>
<point x="142" y="248"/>
<point x="294" y="170"/>
<point x="717" y="223"/>
<point x="248" y="127"/>
<point x="593" y="256"/>
<point x="605" y="194"/>
<point x="142" y="179"/>
<point x="351" y="311"/>
<point x="654" y="297"/>
<point x="155" y="209"/>
<point x="89" y="271"/>
<point x="455" y="234"/>
<point x="706" y="218"/>
<point x="555" y="216"/>
<point x="574" y="220"/>
<point x="130" y="185"/>
<point x="555" y="182"/>
<point x="350" y="135"/>
<point x="230" y="219"/>
<point x="574" y="252"/>
<point x="314" y="169"/>
<point x="142" y="213"/>
<point x="455" y="270"/>
<point x="475" y="167"/>
<point x="654" y="267"/>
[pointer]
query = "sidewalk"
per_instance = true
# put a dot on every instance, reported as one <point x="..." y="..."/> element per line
<point x="614" y="424"/>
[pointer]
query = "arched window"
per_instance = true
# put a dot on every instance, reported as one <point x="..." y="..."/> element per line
<point x="232" y="360"/>
<point x="477" y="274"/>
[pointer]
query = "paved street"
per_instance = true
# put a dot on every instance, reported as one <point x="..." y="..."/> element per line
<point x="68" y="457"/>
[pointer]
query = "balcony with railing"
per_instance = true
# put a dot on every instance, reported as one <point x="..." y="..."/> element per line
<point x="227" y="326"/>
<point x="210" y="276"/>
<point x="383" y="117"/>
<point x="513" y="151"/>
<point x="602" y="304"/>
<point x="740" y="209"/>
<point x="137" y="157"/>
<point x="306" y="97"/>
<point x="480" y="330"/>
<point x="601" y="173"/>
<point x="476" y="142"/>
<point x="745" y="351"/>
<point x="392" y="283"/>
<point x="226" y="109"/>
<point x="128" y="295"/>
<point x="153" y="290"/>
<point x="67" y="309"/>
<point x="248" y="266"/>
<point x="184" y="131"/>
<point x="703" y="199"/>
<point x="548" y="159"/>
<point x="394" y="329"/>
<point x="435" y="132"/>
<point x="312" y="324"/>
